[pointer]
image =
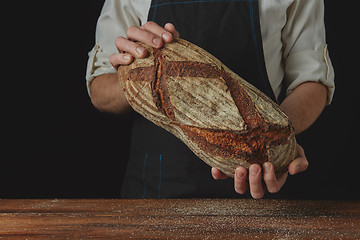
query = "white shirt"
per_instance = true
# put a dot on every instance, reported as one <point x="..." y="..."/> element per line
<point x="293" y="35"/>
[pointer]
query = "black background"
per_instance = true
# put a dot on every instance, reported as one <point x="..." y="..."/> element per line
<point x="56" y="144"/>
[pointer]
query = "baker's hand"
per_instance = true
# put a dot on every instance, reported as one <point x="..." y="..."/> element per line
<point x="150" y="33"/>
<point x="258" y="182"/>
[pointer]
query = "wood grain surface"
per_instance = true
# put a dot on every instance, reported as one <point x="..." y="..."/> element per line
<point x="178" y="219"/>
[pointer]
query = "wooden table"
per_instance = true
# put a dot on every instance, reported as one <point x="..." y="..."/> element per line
<point x="179" y="219"/>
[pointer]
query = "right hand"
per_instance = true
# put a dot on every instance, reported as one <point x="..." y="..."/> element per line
<point x="150" y="33"/>
<point x="259" y="179"/>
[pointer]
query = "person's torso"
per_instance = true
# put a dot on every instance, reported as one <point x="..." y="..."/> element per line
<point x="160" y="165"/>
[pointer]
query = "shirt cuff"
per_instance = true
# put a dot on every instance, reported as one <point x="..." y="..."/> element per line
<point x="308" y="66"/>
<point x="98" y="64"/>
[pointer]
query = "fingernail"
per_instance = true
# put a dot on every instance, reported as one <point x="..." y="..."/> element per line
<point x="267" y="166"/>
<point x="239" y="174"/>
<point x="166" y="37"/>
<point x="140" y="51"/>
<point x="157" y="42"/>
<point x="126" y="57"/>
<point x="254" y="172"/>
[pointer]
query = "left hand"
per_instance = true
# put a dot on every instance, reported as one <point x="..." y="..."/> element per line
<point x="270" y="182"/>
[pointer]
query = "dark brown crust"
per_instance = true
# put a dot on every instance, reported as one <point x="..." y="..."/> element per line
<point x="159" y="87"/>
<point x="252" y="144"/>
<point x="192" y="69"/>
<point x="244" y="103"/>
<point x="146" y="74"/>
<point x="174" y="69"/>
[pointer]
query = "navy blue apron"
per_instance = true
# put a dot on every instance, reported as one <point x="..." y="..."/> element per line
<point x="160" y="165"/>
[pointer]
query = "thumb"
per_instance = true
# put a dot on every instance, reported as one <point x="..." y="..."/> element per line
<point x="217" y="174"/>
<point x="300" y="163"/>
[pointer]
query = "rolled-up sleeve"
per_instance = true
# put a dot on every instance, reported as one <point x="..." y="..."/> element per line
<point x="98" y="63"/>
<point x="306" y="55"/>
<point x="115" y="18"/>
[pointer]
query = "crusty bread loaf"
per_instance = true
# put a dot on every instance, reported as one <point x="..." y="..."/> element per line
<point x="223" y="119"/>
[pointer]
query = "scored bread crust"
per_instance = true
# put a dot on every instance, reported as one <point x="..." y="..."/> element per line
<point x="222" y="118"/>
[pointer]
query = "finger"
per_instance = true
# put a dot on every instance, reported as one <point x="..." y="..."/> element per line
<point x="240" y="181"/>
<point x="300" y="164"/>
<point x="257" y="189"/>
<point x="270" y="178"/>
<point x="120" y="59"/>
<point x="161" y="32"/>
<point x="128" y="46"/>
<point x="171" y="28"/>
<point x="217" y="174"/>
<point x="142" y="35"/>
<point x="273" y="184"/>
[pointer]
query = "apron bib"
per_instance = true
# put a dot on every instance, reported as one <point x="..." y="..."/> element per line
<point x="160" y="165"/>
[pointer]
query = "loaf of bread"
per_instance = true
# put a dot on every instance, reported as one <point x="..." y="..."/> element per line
<point x="223" y="119"/>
